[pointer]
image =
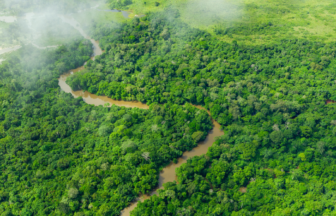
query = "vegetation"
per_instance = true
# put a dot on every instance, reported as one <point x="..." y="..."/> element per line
<point x="60" y="155"/>
<point x="270" y="99"/>
<point x="264" y="70"/>
<point x="120" y="3"/>
<point x="99" y="21"/>
<point x="287" y="169"/>
<point x="248" y="20"/>
<point x="51" y="31"/>
<point x="9" y="34"/>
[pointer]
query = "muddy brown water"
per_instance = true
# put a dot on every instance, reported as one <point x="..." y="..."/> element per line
<point x="92" y="98"/>
<point x="168" y="173"/>
<point x="330" y="101"/>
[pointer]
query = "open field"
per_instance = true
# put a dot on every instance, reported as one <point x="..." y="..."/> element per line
<point x="88" y="19"/>
<point x="253" y="21"/>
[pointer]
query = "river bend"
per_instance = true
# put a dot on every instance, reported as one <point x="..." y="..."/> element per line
<point x="168" y="173"/>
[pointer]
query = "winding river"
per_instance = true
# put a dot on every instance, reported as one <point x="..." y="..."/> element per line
<point x="168" y="173"/>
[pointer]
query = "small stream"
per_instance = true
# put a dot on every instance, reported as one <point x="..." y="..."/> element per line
<point x="168" y="173"/>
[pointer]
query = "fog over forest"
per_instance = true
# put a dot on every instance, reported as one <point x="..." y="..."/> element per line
<point x="40" y="22"/>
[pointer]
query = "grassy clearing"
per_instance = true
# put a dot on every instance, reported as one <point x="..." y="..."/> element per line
<point x="88" y="19"/>
<point x="311" y="19"/>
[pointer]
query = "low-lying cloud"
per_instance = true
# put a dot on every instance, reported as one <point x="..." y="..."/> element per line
<point x="208" y="12"/>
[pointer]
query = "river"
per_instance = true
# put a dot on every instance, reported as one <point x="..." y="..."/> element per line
<point x="168" y="173"/>
<point x="28" y="18"/>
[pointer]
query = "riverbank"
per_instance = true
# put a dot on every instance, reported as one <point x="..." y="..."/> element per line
<point x="168" y="173"/>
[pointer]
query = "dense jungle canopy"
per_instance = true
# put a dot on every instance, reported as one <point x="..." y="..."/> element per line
<point x="274" y="100"/>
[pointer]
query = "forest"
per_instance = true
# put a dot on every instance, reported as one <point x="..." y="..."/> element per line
<point x="275" y="102"/>
<point x="250" y="22"/>
<point x="60" y="155"/>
